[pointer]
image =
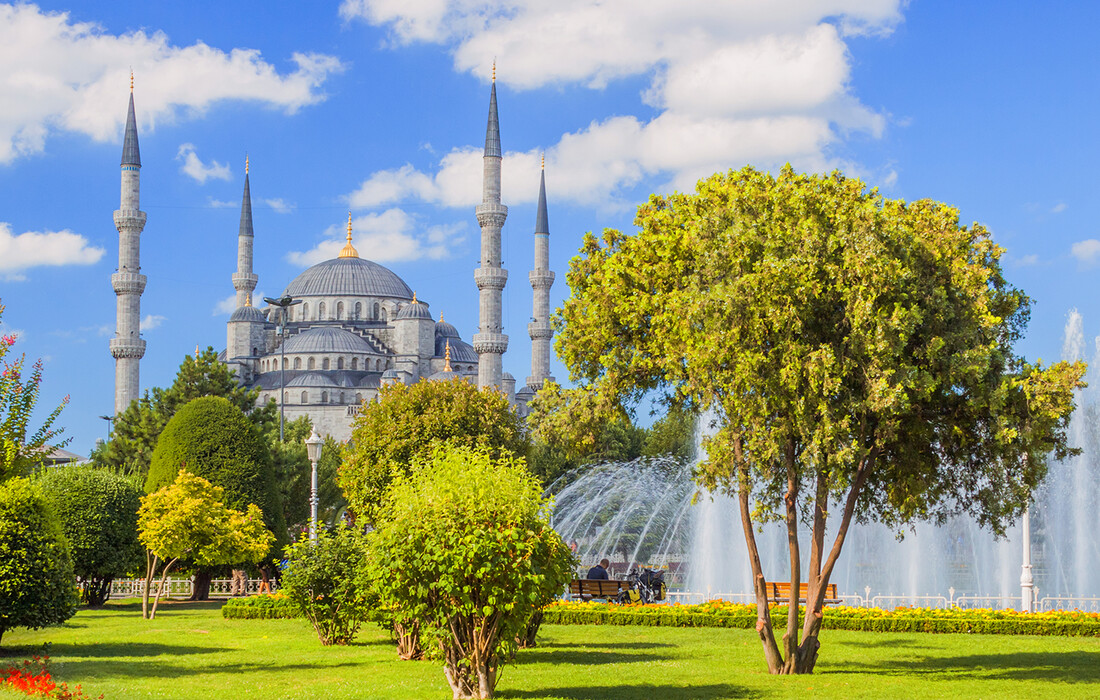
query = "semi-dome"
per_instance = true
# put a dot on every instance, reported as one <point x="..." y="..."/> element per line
<point x="445" y="330"/>
<point x="348" y="277"/>
<point x="248" y="313"/>
<point x="327" y="340"/>
<point x="461" y="351"/>
<point x="311" y="379"/>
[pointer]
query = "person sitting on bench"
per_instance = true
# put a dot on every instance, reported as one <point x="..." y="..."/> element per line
<point x="599" y="571"/>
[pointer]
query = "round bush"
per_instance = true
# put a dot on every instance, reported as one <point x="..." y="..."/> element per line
<point x="327" y="581"/>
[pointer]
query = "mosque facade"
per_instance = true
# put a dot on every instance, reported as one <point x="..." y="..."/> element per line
<point x="355" y="326"/>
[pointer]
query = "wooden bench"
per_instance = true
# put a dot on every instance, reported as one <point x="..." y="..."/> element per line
<point x="587" y="588"/>
<point x="781" y="592"/>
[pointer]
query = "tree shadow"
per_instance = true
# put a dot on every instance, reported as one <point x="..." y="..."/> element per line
<point x="98" y="668"/>
<point x="606" y="645"/>
<point x="123" y="649"/>
<point x="720" y="691"/>
<point x="1064" y="667"/>
<point x="580" y="657"/>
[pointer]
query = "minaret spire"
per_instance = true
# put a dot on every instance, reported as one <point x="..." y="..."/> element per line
<point x="127" y="347"/>
<point x="542" y="278"/>
<point x="349" y="251"/>
<point x="490" y="342"/>
<point x="244" y="281"/>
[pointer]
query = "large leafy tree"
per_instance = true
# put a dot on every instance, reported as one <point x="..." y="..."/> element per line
<point x="292" y="473"/>
<point x="408" y="422"/>
<point x="97" y="510"/>
<point x="858" y="352"/>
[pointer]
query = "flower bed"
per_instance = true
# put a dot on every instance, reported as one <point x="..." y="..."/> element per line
<point x="260" y="607"/>
<point x="735" y="615"/>
<point x="33" y="678"/>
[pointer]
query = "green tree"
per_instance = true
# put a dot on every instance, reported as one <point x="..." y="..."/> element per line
<point x="465" y="548"/>
<point x="20" y="452"/>
<point x="36" y="571"/>
<point x="673" y="435"/>
<point x="292" y="473"/>
<point x="97" y="510"/>
<point x="188" y="519"/>
<point x="858" y="351"/>
<point x="328" y="581"/>
<point x="408" y="422"/>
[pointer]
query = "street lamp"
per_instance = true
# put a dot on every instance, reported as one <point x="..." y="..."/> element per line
<point x="109" y="425"/>
<point x="313" y="451"/>
<point x="283" y="303"/>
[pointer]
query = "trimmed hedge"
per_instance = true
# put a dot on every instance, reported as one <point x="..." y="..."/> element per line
<point x="260" y="607"/>
<point x="733" y="615"/>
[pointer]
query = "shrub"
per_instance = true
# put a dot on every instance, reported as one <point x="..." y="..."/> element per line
<point x="465" y="549"/>
<point x="261" y="607"/>
<point x="36" y="571"/>
<point x="97" y="510"/>
<point x="327" y="581"/>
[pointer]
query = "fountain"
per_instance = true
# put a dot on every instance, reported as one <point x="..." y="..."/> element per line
<point x="649" y="512"/>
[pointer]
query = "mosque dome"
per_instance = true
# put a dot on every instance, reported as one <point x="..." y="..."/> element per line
<point x="311" y="379"/>
<point x="461" y="351"/>
<point x="445" y="330"/>
<point x="248" y="313"/>
<point x="327" y="340"/>
<point x="417" y="309"/>
<point x="348" y="276"/>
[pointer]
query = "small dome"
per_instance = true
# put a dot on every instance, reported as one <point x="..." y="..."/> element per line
<point x="445" y="330"/>
<point x="312" y="379"/>
<point x="390" y="374"/>
<point x="444" y="376"/>
<point x="417" y="309"/>
<point x="327" y="340"/>
<point x="248" y="313"/>
<point x="460" y="350"/>
<point x="526" y="392"/>
<point x="507" y="376"/>
<point x="348" y="277"/>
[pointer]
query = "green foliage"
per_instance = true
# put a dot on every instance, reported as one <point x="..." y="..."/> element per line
<point x="136" y="430"/>
<point x="408" y="422"/>
<point x="466" y="550"/>
<point x="19" y="452"/>
<point x="673" y="435"/>
<point x="212" y="438"/>
<point x="97" y="510"/>
<point x="261" y="607"/>
<point x="36" y="571"/>
<point x="292" y="473"/>
<point x="328" y="582"/>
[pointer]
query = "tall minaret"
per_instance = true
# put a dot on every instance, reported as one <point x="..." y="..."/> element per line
<point x="127" y="347"/>
<point x="542" y="278"/>
<point x="244" y="281"/>
<point x="489" y="342"/>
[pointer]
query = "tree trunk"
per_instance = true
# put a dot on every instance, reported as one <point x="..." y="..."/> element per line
<point x="527" y="639"/>
<point x="408" y="640"/>
<point x="201" y="590"/>
<point x="160" y="588"/>
<point x="790" y="637"/>
<point x="150" y="570"/>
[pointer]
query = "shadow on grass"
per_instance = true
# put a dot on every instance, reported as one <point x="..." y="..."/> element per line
<point x="580" y="657"/>
<point x="633" y="692"/>
<point x="132" y="649"/>
<point x="1065" y="667"/>
<point x="606" y="645"/>
<point x="97" y="668"/>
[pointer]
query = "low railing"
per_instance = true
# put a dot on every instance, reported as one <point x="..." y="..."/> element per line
<point x="180" y="587"/>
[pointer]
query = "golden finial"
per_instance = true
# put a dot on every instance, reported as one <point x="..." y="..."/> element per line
<point x="196" y="352"/>
<point x="494" y="70"/>
<point x="131" y="80"/>
<point x="349" y="250"/>
<point x="447" y="358"/>
<point x="543" y="162"/>
<point x="414" y="298"/>
<point x="248" y="299"/>
<point x="245" y="163"/>
<point x="441" y="320"/>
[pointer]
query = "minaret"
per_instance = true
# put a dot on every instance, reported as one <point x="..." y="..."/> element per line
<point x="127" y="347"/>
<point x="244" y="281"/>
<point x="489" y="342"/>
<point x="542" y="278"/>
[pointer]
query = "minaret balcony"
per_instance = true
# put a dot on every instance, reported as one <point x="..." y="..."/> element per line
<point x="127" y="347"/>
<point x="491" y="214"/>
<point x="541" y="279"/>
<point x="490" y="277"/>
<point x="128" y="282"/>
<point x="539" y="330"/>
<point x="492" y="343"/>
<point x="245" y="280"/>
<point x="130" y="218"/>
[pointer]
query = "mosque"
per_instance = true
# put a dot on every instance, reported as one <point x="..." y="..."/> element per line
<point x="345" y="327"/>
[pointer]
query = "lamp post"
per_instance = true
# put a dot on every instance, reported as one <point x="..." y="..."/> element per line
<point x="283" y="303"/>
<point x="313" y="451"/>
<point x="1027" y="583"/>
<point x="109" y="420"/>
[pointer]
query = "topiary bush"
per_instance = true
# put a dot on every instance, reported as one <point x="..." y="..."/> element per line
<point x="261" y="607"/>
<point x="36" y="571"/>
<point x="327" y="582"/>
<point x="97" y="510"/>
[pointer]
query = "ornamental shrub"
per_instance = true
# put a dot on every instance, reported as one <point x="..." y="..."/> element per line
<point x="97" y="510"/>
<point x="465" y="549"/>
<point x="327" y="582"/>
<point x="276" y="606"/>
<point x="36" y="571"/>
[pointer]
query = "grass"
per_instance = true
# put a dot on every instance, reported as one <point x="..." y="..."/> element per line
<point x="190" y="651"/>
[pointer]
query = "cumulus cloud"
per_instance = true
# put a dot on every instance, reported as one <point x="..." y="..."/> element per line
<point x="72" y="76"/>
<point x="152" y="321"/>
<point x="733" y="83"/>
<point x="1086" y="251"/>
<point x="19" y="253"/>
<point x="194" y="167"/>
<point x="279" y="206"/>
<point x="1059" y="208"/>
<point x="228" y="305"/>
<point x="389" y="236"/>
<point x="1028" y="260"/>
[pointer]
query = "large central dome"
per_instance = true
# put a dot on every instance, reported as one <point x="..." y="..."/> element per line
<point x="348" y="277"/>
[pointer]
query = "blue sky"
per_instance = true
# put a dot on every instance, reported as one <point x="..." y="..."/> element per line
<point x="379" y="106"/>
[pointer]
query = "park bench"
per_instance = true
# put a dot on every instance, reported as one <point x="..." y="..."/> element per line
<point x="588" y="588"/>
<point x="781" y="592"/>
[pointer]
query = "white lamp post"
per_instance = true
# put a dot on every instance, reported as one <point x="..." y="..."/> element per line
<point x="313" y="451"/>
<point x="1027" y="583"/>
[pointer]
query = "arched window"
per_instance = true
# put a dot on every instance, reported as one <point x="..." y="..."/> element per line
<point x="312" y="363"/>
<point x="305" y="397"/>
<point x="324" y="363"/>
<point x="286" y="397"/>
<point x="321" y="311"/>
<point x="339" y="363"/>
<point x="358" y="397"/>
<point x="324" y="397"/>
<point x="376" y="310"/>
<point x="358" y="310"/>
<point x="355" y="363"/>
<point x="305" y="311"/>
<point x="341" y="397"/>
<point x="254" y="353"/>
<point x="297" y="363"/>
<point x="339" y="311"/>
<point x="383" y="314"/>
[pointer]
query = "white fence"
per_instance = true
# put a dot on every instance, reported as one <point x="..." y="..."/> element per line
<point x="179" y="587"/>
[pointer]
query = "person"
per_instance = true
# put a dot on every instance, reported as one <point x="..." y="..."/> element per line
<point x="265" y="584"/>
<point x="599" y="571"/>
<point x="573" y="546"/>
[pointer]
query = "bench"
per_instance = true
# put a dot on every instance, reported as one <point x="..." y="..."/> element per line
<point x="781" y="592"/>
<point x="587" y="588"/>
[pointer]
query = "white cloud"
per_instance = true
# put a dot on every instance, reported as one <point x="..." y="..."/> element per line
<point x="19" y="253"/>
<point x="62" y="75"/>
<point x="220" y="204"/>
<point x="196" y="169"/>
<point x="279" y="206"/>
<point x="17" y="333"/>
<point x="152" y="321"/>
<point x="1086" y="251"/>
<point x="733" y="83"/>
<point x="1028" y="260"/>
<point x="228" y="305"/>
<point x="389" y="236"/>
<point x="1059" y="208"/>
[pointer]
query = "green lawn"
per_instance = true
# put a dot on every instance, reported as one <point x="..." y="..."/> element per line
<point x="189" y="651"/>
